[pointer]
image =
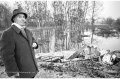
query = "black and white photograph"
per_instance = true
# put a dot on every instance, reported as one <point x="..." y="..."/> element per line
<point x="59" y="39"/>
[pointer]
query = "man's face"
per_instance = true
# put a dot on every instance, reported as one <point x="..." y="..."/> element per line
<point x="20" y="19"/>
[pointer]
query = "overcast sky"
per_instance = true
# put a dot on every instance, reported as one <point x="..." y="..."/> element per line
<point x="111" y="9"/>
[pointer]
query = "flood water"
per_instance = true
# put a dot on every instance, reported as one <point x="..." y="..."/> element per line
<point x="110" y="43"/>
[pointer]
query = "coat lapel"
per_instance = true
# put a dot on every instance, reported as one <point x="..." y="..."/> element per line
<point x="29" y="36"/>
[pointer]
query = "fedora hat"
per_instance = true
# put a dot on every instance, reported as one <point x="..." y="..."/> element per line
<point x="16" y="12"/>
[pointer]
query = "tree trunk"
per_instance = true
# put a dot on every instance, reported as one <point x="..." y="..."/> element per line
<point x="52" y="42"/>
<point x="93" y="20"/>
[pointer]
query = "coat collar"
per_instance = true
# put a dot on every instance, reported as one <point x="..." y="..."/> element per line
<point x="16" y="28"/>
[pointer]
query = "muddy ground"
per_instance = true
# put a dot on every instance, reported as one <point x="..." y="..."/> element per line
<point x="45" y="73"/>
<point x="79" y="69"/>
<point x="49" y="73"/>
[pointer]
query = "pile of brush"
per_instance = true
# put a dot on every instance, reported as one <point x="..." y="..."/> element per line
<point x="91" y="68"/>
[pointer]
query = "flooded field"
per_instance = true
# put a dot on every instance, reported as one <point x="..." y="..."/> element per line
<point x="110" y="43"/>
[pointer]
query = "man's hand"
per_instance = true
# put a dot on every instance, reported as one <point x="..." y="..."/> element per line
<point x="34" y="45"/>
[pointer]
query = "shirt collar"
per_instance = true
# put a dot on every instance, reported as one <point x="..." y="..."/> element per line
<point x="20" y="27"/>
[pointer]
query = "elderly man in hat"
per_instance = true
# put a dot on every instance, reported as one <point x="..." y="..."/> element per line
<point x="17" y="48"/>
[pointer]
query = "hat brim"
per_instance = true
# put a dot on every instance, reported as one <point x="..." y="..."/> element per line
<point x="12" y="19"/>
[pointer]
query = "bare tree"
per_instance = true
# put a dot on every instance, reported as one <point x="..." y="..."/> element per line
<point x="74" y="14"/>
<point x="37" y="10"/>
<point x="92" y="23"/>
<point x="96" y="8"/>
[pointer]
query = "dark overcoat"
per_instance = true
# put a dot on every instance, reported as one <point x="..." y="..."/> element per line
<point x="17" y="53"/>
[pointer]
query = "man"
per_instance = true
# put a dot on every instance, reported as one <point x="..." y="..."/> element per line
<point x="17" y="48"/>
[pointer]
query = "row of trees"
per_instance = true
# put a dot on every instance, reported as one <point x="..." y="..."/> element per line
<point x="69" y="17"/>
<point x="112" y="23"/>
<point x="64" y="12"/>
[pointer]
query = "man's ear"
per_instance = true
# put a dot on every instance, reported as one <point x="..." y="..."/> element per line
<point x="14" y="19"/>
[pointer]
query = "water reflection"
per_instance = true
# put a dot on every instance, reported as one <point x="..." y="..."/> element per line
<point x="110" y="43"/>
